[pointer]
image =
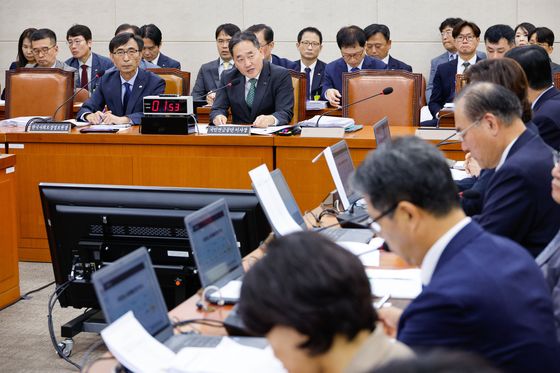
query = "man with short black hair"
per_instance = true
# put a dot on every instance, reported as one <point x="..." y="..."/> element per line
<point x="152" y="44"/>
<point x="209" y="75"/>
<point x="260" y="93"/>
<point x="135" y="30"/>
<point x="83" y="59"/>
<point x="378" y="45"/>
<point x="544" y="97"/>
<point x="45" y="50"/>
<point x="351" y="41"/>
<point x="309" y="44"/>
<point x="544" y="37"/>
<point x="321" y="320"/>
<point x="517" y="202"/>
<point x="498" y="39"/>
<point x="265" y="35"/>
<point x="475" y="284"/>
<point x="118" y="98"/>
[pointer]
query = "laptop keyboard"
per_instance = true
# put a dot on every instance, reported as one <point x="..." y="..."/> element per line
<point x="179" y="341"/>
<point x="333" y="234"/>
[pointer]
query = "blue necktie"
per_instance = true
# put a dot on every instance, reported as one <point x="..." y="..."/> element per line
<point x="308" y="77"/>
<point x="126" y="96"/>
<point x="354" y="69"/>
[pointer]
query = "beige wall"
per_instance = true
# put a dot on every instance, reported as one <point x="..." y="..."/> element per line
<point x="188" y="26"/>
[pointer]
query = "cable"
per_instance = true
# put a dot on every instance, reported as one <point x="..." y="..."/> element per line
<point x="84" y="362"/>
<point x="208" y="322"/>
<point x="26" y="295"/>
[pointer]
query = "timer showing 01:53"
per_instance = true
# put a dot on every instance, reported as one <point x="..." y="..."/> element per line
<point x="167" y="107"/>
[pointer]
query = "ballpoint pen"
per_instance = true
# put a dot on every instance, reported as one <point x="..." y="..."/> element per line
<point x="379" y="304"/>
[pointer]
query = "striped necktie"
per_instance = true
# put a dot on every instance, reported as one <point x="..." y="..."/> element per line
<point x="251" y="94"/>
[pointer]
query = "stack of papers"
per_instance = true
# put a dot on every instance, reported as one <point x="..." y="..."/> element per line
<point x="18" y="121"/>
<point x="399" y="283"/>
<point x="315" y="105"/>
<point x="328" y="122"/>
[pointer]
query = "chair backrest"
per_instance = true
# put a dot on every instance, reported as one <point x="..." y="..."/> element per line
<point x="299" y="82"/>
<point x="460" y="82"/>
<point x="176" y="81"/>
<point x="423" y="101"/>
<point x="39" y="91"/>
<point x="402" y="107"/>
<point x="556" y="80"/>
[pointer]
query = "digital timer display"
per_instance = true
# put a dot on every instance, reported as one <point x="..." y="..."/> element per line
<point x="167" y="105"/>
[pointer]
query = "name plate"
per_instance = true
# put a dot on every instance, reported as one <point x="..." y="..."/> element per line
<point x="232" y="130"/>
<point x="50" y="127"/>
<point x="329" y="132"/>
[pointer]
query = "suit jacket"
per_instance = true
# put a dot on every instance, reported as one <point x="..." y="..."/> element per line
<point x="334" y="70"/>
<point x="395" y="64"/>
<point x="436" y="61"/>
<point x="487" y="296"/>
<point x="549" y="262"/>
<point x="546" y="116"/>
<point x="206" y="80"/>
<point x="168" y="62"/>
<point x="109" y="92"/>
<point x="274" y="95"/>
<point x="444" y="86"/>
<point x="285" y="63"/>
<point x="318" y="77"/>
<point x="517" y="203"/>
<point x="98" y="63"/>
<point x="554" y="67"/>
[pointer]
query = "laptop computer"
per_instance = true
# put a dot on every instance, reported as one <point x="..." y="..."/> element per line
<point x="215" y="251"/>
<point x="341" y="168"/>
<point x="130" y="284"/>
<point x="382" y="132"/>
<point x="336" y="234"/>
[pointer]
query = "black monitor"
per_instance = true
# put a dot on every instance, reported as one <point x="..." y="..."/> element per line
<point x="89" y="226"/>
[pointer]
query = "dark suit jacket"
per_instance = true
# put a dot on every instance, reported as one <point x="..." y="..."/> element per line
<point x="109" y="92"/>
<point x="443" y="90"/>
<point x="517" y="203"/>
<point x="164" y="61"/>
<point x="285" y="63"/>
<point x="98" y="63"/>
<point x="318" y="77"/>
<point x="274" y="95"/>
<point x="546" y="116"/>
<point x="487" y="296"/>
<point x="206" y="80"/>
<point x="334" y="70"/>
<point x="395" y="64"/>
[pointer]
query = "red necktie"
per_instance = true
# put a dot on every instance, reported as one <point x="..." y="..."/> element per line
<point x="84" y="79"/>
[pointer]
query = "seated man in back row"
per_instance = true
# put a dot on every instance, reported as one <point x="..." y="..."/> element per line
<point x="260" y="93"/>
<point x="119" y="95"/>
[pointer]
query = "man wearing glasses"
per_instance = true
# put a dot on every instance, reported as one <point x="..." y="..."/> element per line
<point x="481" y="293"/>
<point x="265" y="35"/>
<point x="83" y="59"/>
<point x="517" y="202"/>
<point x="351" y="41"/>
<point x="467" y="36"/>
<point x="309" y="44"/>
<point x="119" y="94"/>
<point x="45" y="50"/>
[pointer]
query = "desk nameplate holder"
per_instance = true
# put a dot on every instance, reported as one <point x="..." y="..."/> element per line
<point x="49" y="127"/>
<point x="231" y="130"/>
<point x="328" y="132"/>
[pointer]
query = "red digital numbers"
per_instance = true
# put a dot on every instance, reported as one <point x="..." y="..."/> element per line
<point x="168" y="107"/>
<point x="155" y="106"/>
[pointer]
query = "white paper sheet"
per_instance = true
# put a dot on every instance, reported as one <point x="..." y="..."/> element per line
<point x="459" y="174"/>
<point x="268" y="130"/>
<point x="327" y="121"/>
<point x="399" y="283"/>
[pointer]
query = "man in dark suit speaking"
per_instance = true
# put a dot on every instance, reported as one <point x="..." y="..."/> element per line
<point x="257" y="92"/>
<point x="481" y="293"/>
<point x="120" y="92"/>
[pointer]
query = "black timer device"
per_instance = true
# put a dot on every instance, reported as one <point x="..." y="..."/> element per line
<point x="168" y="115"/>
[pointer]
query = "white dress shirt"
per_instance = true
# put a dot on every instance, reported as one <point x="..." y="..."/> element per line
<point x="460" y="62"/>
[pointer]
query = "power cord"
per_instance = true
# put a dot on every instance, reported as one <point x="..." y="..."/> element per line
<point x="207" y="322"/>
<point x="26" y="295"/>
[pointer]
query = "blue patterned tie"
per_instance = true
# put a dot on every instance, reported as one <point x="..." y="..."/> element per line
<point x="308" y="77"/>
<point x="251" y="94"/>
<point x="354" y="69"/>
<point x="126" y="96"/>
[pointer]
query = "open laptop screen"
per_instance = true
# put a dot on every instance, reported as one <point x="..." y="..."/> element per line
<point x="341" y="168"/>
<point x="382" y="132"/>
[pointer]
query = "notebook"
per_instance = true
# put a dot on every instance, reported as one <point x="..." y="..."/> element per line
<point x="216" y="252"/>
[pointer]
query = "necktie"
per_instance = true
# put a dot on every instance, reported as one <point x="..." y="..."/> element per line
<point x="452" y="57"/>
<point x="84" y="79"/>
<point x="251" y="94"/>
<point x="465" y="65"/>
<point x="226" y="65"/>
<point x="126" y="96"/>
<point x="354" y="69"/>
<point x="308" y="77"/>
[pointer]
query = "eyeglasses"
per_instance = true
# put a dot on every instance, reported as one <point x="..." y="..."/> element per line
<point x="468" y="38"/>
<point x="461" y="134"/>
<point x="223" y="41"/>
<point x="44" y="50"/>
<point x="129" y="52"/>
<point x="313" y="44"/>
<point x="446" y="33"/>
<point x="350" y="56"/>
<point x="75" y="42"/>
<point x="152" y="48"/>
<point x="374" y="225"/>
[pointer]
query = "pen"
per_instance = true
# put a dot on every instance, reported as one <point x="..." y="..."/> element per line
<point x="379" y="304"/>
<point x="317" y="157"/>
<point x="103" y="113"/>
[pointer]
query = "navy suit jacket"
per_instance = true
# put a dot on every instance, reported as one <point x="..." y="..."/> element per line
<point x="443" y="90"/>
<point x="164" y="61"/>
<point x="546" y="116"/>
<point x="395" y="64"/>
<point x="206" y="80"/>
<point x="517" y="203"/>
<point x="285" y="63"/>
<point x="109" y="92"/>
<point x="274" y="95"/>
<point x="487" y="296"/>
<point x="334" y="70"/>
<point x="318" y="77"/>
<point x="98" y="63"/>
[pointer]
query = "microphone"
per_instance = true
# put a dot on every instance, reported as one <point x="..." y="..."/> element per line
<point x="353" y="219"/>
<point x="445" y="142"/>
<point x="386" y="91"/>
<point x="452" y="112"/>
<point x="234" y="82"/>
<point x="99" y="74"/>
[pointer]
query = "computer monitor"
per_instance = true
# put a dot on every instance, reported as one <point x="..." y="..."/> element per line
<point x="89" y="226"/>
<point x="341" y="168"/>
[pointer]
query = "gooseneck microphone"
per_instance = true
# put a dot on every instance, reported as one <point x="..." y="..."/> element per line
<point x="386" y="91"/>
<point x="234" y="82"/>
<point x="99" y="74"/>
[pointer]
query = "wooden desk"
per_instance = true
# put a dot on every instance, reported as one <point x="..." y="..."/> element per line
<point x="203" y="113"/>
<point x="76" y="108"/>
<point x="447" y="118"/>
<point x="9" y="270"/>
